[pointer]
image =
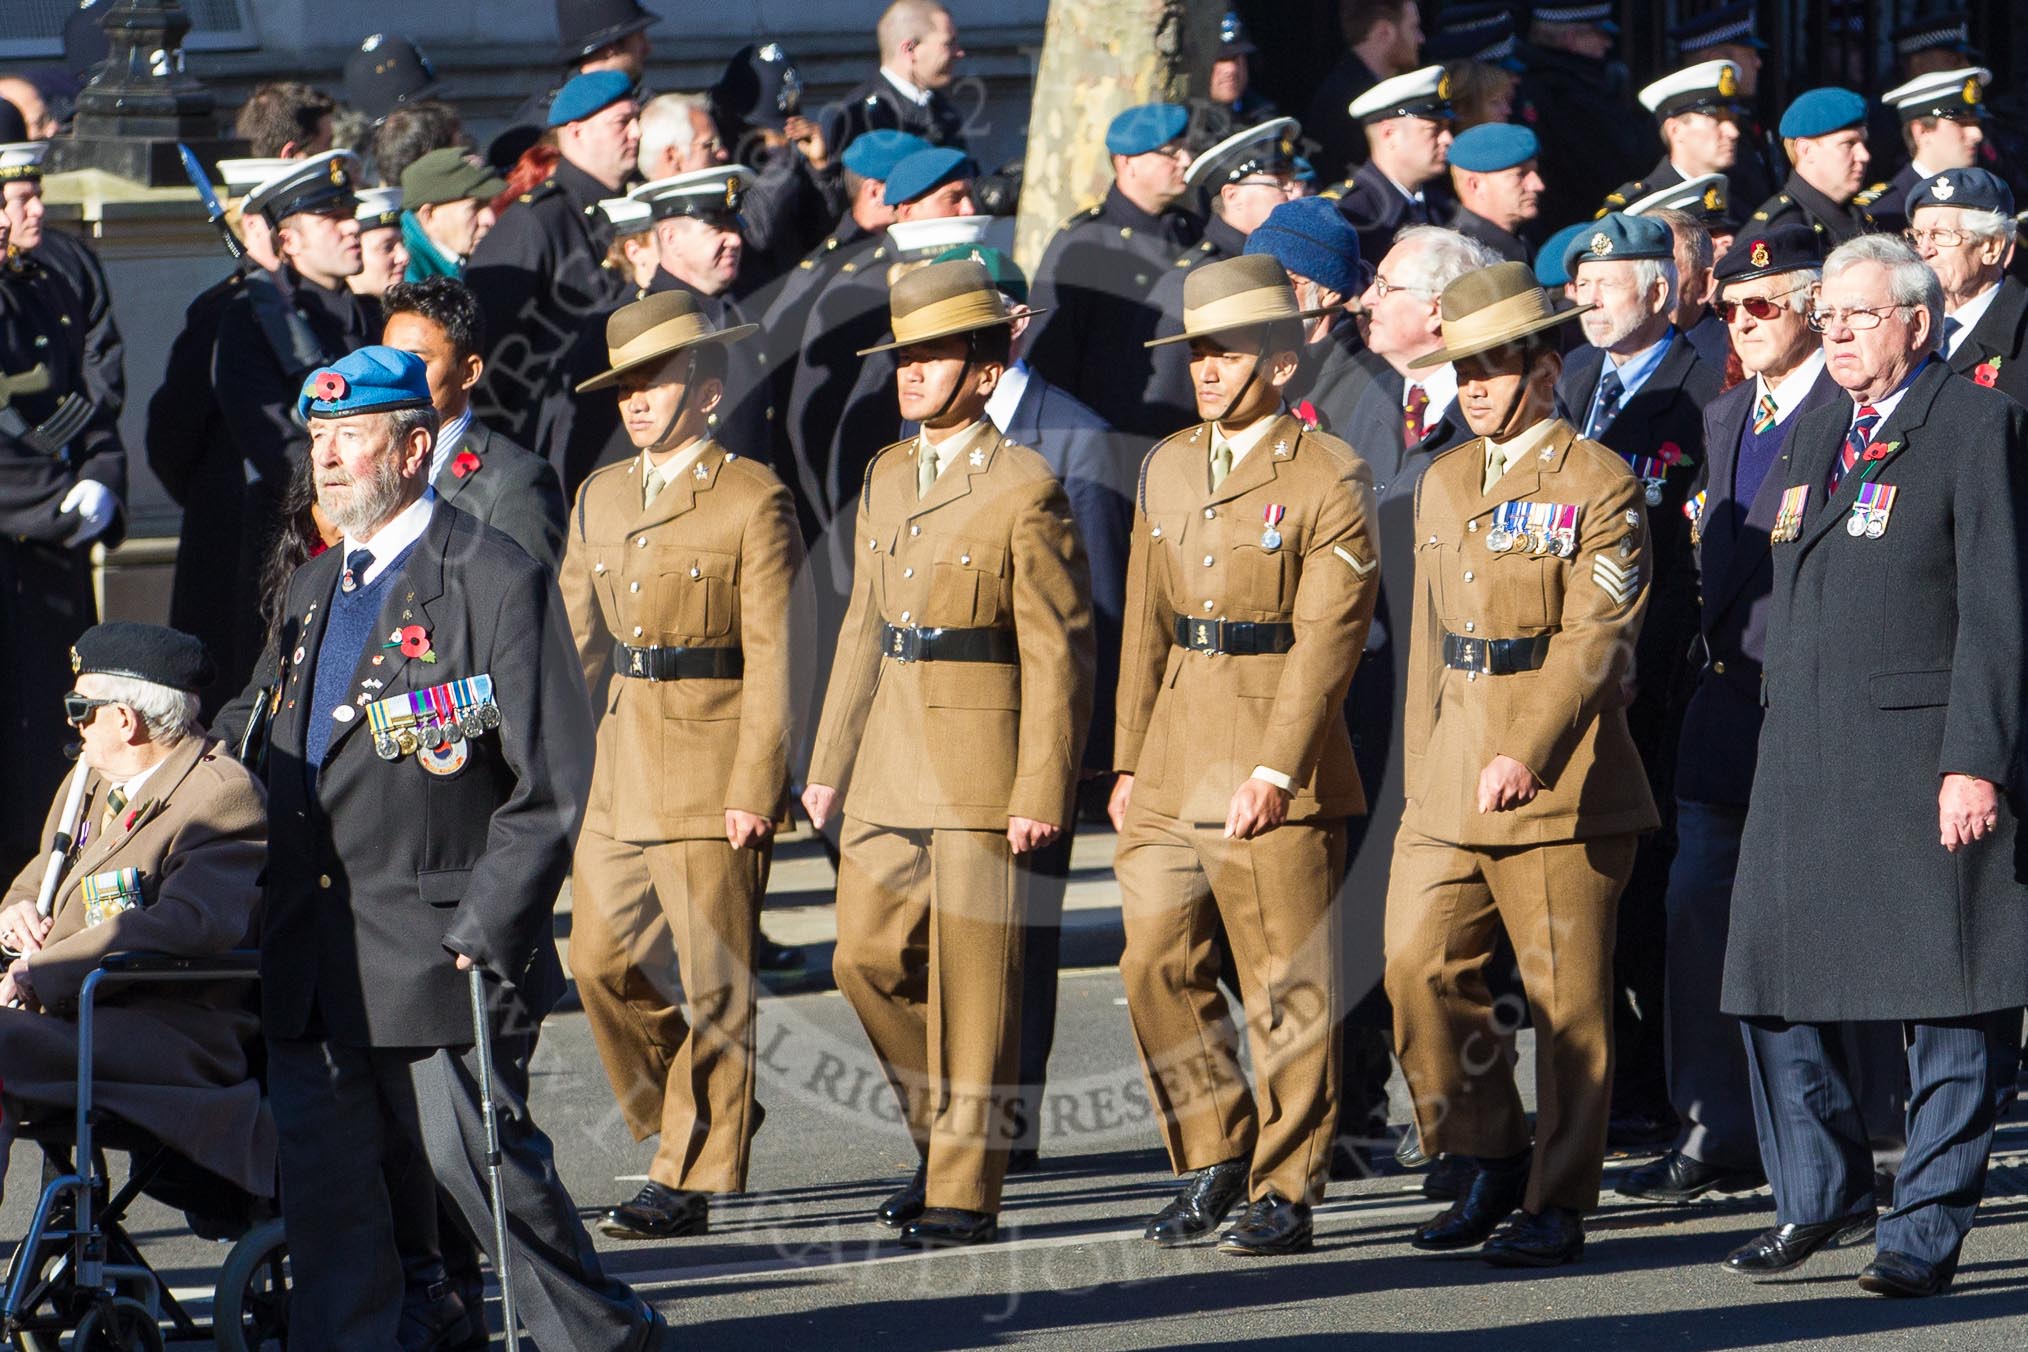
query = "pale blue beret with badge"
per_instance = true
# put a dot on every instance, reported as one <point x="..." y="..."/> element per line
<point x="1615" y="237"/>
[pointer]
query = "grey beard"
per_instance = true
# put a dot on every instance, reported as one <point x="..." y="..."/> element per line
<point x="371" y="502"/>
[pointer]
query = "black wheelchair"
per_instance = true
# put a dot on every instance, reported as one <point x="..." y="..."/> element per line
<point x="77" y="1278"/>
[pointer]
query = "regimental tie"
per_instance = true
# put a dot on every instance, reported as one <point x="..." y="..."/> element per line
<point x="1607" y="406"/>
<point x="1855" y="444"/>
<point x="115" y="801"/>
<point x="356" y="564"/>
<point x="1413" y="425"/>
<point x="1764" y="414"/>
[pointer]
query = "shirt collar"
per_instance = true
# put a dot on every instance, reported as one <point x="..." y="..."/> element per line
<point x="914" y="93"/>
<point x="1244" y="440"/>
<point x="674" y="465"/>
<point x="1967" y="316"/>
<point x="954" y="448"/>
<point x="387" y="543"/>
<point x="129" y="787"/>
<point x="1007" y="396"/>
<point x="1788" y="396"/>
<point x="448" y="437"/>
<point x="1411" y="194"/>
<point x="1885" y="406"/>
<point x="1635" y="370"/>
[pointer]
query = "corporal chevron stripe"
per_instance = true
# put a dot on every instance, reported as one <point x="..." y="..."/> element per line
<point x="1622" y="584"/>
<point x="1352" y="561"/>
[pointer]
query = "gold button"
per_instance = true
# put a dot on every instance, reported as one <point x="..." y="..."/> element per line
<point x="1718" y="667"/>
<point x="633" y="586"/>
<point x="908" y="572"/>
<point x="324" y="880"/>
<point x="1468" y="575"/>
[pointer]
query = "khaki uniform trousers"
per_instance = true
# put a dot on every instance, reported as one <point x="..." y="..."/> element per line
<point x="1559" y="903"/>
<point x="689" y="1078"/>
<point x="1178" y="881"/>
<point x="929" y="955"/>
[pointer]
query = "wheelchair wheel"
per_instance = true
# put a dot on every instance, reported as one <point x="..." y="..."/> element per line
<point x="251" y="1308"/>
<point x="118" y="1325"/>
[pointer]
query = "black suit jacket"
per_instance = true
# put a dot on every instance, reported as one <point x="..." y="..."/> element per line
<point x="875" y="104"/>
<point x="380" y="871"/>
<point x="1735" y="569"/>
<point x="2000" y="336"/>
<point x="513" y="490"/>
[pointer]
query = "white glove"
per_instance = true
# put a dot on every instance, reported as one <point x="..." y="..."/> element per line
<point x="95" y="505"/>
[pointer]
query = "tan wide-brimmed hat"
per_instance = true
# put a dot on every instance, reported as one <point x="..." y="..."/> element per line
<point x="1490" y="308"/>
<point x="652" y="329"/>
<point x="942" y="301"/>
<point x="1237" y="293"/>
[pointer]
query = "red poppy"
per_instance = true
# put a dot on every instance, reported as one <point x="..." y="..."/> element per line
<point x="1987" y="373"/>
<point x="1670" y="453"/>
<point x="330" y="387"/>
<point x="415" y="640"/>
<point x="1306" y="414"/>
<point x="464" y="464"/>
<point x="1880" y="450"/>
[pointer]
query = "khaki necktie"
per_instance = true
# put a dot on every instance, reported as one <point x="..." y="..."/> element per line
<point x="925" y="470"/>
<point x="651" y="484"/>
<point x="1496" y="465"/>
<point x="1221" y="461"/>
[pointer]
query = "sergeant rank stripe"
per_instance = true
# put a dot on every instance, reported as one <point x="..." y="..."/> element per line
<point x="1622" y="583"/>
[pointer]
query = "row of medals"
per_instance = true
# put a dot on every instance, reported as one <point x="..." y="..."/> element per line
<point x="1500" y="540"/>
<point x="407" y="741"/>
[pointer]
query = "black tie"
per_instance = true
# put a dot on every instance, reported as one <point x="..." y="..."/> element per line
<point x="1608" y="403"/>
<point x="356" y="564"/>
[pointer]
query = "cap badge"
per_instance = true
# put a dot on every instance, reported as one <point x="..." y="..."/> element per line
<point x="1759" y="253"/>
<point x="1941" y="190"/>
<point x="732" y="194"/>
<point x="1601" y="244"/>
<point x="1972" y="91"/>
<point x="338" y="173"/>
<point x="770" y="52"/>
<point x="1711" y="202"/>
<point x="1444" y="86"/>
<point x="1728" y="83"/>
<point x="76" y="662"/>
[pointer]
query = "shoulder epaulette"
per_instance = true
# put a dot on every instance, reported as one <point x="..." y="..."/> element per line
<point x="1082" y="214"/>
<point x="1337" y="190"/>
<point x="1866" y="197"/>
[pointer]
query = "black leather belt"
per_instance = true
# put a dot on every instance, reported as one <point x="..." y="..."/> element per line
<point x="678" y="664"/>
<point x="1238" y="638"/>
<point x="907" y="643"/>
<point x="1495" y="656"/>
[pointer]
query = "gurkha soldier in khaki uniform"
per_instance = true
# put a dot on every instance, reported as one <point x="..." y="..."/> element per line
<point x="676" y="571"/>
<point x="1525" y="792"/>
<point x="952" y="727"/>
<point x="1250" y="587"/>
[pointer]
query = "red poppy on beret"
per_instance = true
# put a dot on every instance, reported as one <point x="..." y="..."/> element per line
<point x="330" y="387"/>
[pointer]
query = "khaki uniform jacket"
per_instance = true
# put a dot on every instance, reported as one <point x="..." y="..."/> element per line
<point x="709" y="564"/>
<point x="1192" y="726"/>
<point x="964" y="745"/>
<point x="170" y="1057"/>
<point x="1565" y="721"/>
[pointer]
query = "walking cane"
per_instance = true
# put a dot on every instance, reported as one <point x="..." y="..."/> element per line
<point x="61" y="840"/>
<point x="482" y="1041"/>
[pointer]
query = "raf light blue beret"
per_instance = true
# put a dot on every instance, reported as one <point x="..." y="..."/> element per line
<point x="1492" y="146"/>
<point x="1312" y="238"/>
<point x="1616" y="236"/>
<point x="1819" y="112"/>
<point x="926" y="171"/>
<point x="588" y="94"/>
<point x="1973" y="189"/>
<point x="371" y="380"/>
<point x="1549" y="268"/>
<point x="1146" y="127"/>
<point x="873" y="154"/>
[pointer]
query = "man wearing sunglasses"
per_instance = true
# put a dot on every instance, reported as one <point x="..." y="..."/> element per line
<point x="1962" y="223"/>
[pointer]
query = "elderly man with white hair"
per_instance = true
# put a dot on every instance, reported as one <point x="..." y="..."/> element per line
<point x="1962" y="223"/>
<point x="165" y="849"/>
<point x="1877" y="872"/>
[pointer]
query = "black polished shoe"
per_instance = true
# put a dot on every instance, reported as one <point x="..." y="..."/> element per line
<point x="658" y="1213"/>
<point x="1551" y="1239"/>
<point x="1893" y="1273"/>
<point x="1448" y="1178"/>
<point x="1677" y="1178"/>
<point x="945" y="1227"/>
<point x="1786" y="1247"/>
<point x="1487" y="1200"/>
<point x="439" y="1321"/>
<point x="1197" y="1209"/>
<point x="770" y="956"/>
<point x="1272" y="1225"/>
<point x="907" y="1204"/>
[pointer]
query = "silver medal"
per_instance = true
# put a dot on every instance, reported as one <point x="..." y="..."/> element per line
<point x="1855" y="525"/>
<point x="489" y="714"/>
<point x="1270" y="538"/>
<point x="1653" y="492"/>
<point x="1876" y="527"/>
<point x="385" y="746"/>
<point x="1499" y="539"/>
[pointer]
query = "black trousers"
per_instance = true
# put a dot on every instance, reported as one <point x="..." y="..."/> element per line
<point x="341" y="1112"/>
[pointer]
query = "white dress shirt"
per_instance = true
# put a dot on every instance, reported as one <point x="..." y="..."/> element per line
<point x="397" y="535"/>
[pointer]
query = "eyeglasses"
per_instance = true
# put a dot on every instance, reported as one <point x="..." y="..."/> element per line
<point x="1381" y="286"/>
<point x="1859" y="321"/>
<point x="1942" y="239"/>
<point x="1760" y="307"/>
<point x="77" y="709"/>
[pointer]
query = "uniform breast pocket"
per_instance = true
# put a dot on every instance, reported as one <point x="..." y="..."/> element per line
<point x="696" y="588"/>
<point x="1524" y="594"/>
<point x="1263" y="579"/>
<point x="967" y="586"/>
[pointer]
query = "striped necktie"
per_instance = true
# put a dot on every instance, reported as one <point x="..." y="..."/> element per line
<point x="1607" y="405"/>
<point x="1764" y="414"/>
<point x="115" y="801"/>
<point x="1855" y="443"/>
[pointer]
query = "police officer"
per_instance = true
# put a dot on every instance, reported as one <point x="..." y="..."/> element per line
<point x="1248" y="603"/>
<point x="952" y="731"/>
<point x="1726" y="34"/>
<point x="64" y="479"/>
<point x="918" y="50"/>
<point x="1525" y="791"/>
<point x="387" y="72"/>
<point x="794" y="198"/>
<point x="678" y="572"/>
<point x="1698" y="109"/>
<point x="1097" y="277"/>
<point x="1824" y="132"/>
<point x="1498" y="186"/>
<point x="541" y="284"/>
<point x="1234" y="100"/>
<point x="1942" y="120"/>
<point x="1408" y="137"/>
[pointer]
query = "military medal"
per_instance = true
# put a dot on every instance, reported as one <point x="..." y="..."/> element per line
<point x="1693" y="508"/>
<point x="385" y="746"/>
<point x="1869" y="513"/>
<point x="1565" y="530"/>
<point x="1272" y="538"/>
<point x="1788" y="523"/>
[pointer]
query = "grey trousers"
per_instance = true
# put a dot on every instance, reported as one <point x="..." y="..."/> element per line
<point x="340" y="1110"/>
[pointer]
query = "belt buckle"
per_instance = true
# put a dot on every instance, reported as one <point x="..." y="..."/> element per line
<point x="1209" y="636"/>
<point x="904" y="643"/>
<point x="642" y="664"/>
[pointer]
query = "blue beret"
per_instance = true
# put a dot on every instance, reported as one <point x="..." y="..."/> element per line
<point x="926" y="171"/>
<point x="1616" y="236"/>
<point x="371" y="380"/>
<point x="1493" y="146"/>
<point x="1973" y="189"/>
<point x="1312" y="238"/>
<point x="1819" y="112"/>
<point x="1146" y="127"/>
<point x="1549" y="269"/>
<point x="584" y="95"/>
<point x="873" y="154"/>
